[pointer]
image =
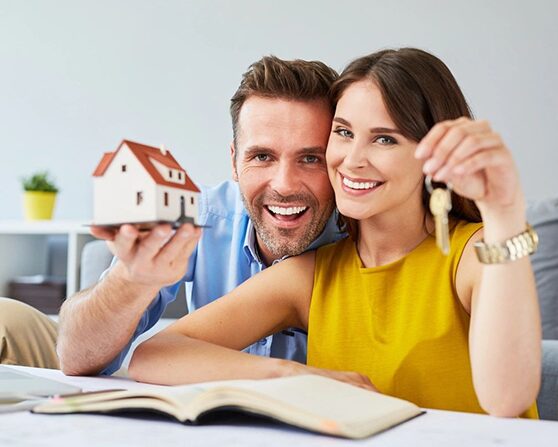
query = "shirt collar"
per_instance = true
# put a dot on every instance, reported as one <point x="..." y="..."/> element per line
<point x="329" y="234"/>
<point x="250" y="245"/>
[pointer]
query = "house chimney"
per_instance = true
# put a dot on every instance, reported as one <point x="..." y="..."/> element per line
<point x="163" y="150"/>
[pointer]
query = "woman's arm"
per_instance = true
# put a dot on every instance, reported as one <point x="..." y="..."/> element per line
<point x="505" y="330"/>
<point x="205" y="344"/>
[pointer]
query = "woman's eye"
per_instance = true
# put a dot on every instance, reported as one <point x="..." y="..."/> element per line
<point x="345" y="133"/>
<point x="385" y="140"/>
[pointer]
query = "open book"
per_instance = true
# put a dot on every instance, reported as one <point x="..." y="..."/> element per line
<point x="310" y="402"/>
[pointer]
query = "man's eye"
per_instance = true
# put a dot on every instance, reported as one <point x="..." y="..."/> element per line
<point x="344" y="133"/>
<point x="262" y="157"/>
<point x="385" y="140"/>
<point x="311" y="159"/>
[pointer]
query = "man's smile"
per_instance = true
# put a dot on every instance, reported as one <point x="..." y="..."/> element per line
<point x="286" y="213"/>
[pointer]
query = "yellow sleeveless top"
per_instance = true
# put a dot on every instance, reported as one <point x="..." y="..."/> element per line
<point x="401" y="324"/>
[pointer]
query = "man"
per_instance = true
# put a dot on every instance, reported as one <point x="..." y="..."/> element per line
<point x="281" y="205"/>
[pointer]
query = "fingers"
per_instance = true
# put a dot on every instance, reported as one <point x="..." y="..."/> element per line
<point x="479" y="161"/>
<point x="124" y="242"/>
<point x="450" y="144"/>
<point x="129" y="242"/>
<point x="350" y="377"/>
<point x="181" y="246"/>
<point x="438" y="144"/>
<point x="364" y="382"/>
<point x="355" y="379"/>
<point x="155" y="257"/>
<point x="426" y="146"/>
<point x="104" y="233"/>
<point x="154" y="241"/>
<point x="469" y="146"/>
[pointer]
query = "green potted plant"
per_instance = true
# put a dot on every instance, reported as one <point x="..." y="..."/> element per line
<point x="39" y="196"/>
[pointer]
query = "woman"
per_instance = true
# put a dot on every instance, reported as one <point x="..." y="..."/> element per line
<point x="385" y="306"/>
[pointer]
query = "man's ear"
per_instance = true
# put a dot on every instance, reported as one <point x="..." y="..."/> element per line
<point x="233" y="162"/>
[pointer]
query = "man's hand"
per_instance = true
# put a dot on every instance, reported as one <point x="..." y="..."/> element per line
<point x="154" y="258"/>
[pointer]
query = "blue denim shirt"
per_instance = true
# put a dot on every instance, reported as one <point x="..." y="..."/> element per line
<point x="225" y="257"/>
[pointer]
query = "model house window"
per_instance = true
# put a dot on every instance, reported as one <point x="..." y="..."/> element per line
<point x="180" y="176"/>
<point x="166" y="199"/>
<point x="123" y="168"/>
<point x="170" y="173"/>
<point x="139" y="197"/>
<point x="191" y="200"/>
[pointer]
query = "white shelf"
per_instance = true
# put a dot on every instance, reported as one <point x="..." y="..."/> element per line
<point x="23" y="245"/>
<point x="43" y="227"/>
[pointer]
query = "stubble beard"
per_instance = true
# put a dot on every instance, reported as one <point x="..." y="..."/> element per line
<point x="283" y="242"/>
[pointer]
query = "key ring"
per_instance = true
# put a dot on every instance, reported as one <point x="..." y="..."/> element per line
<point x="430" y="188"/>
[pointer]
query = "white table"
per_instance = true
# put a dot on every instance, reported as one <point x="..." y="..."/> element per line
<point x="435" y="428"/>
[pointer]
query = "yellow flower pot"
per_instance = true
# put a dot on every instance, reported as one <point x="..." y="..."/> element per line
<point x="38" y="205"/>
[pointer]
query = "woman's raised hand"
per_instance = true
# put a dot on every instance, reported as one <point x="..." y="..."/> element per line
<point x="474" y="159"/>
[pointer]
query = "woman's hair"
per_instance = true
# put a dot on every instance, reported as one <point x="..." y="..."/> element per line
<point x="418" y="91"/>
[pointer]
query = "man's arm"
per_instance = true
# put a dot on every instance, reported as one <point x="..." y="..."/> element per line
<point x="96" y="324"/>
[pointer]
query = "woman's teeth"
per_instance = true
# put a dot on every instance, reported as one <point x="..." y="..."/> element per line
<point x="359" y="185"/>
<point x="286" y="211"/>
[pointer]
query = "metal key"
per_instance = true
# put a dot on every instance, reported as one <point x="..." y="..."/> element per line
<point x="440" y="206"/>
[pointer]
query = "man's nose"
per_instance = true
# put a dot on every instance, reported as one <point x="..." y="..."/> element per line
<point x="285" y="179"/>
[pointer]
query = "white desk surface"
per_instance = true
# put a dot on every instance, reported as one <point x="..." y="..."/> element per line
<point x="435" y="428"/>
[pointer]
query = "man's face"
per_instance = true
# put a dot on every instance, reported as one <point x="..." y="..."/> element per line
<point x="279" y="163"/>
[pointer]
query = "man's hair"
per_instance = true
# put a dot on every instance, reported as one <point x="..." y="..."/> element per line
<point x="271" y="77"/>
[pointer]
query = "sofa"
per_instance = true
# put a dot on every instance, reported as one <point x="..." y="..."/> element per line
<point x="543" y="215"/>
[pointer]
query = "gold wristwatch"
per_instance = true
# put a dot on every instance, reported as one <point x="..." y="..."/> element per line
<point x="516" y="247"/>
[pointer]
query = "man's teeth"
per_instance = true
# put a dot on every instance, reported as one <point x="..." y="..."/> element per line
<point x="359" y="185"/>
<point x="286" y="211"/>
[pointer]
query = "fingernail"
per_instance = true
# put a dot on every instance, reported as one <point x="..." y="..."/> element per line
<point x="441" y="174"/>
<point x="128" y="231"/>
<point x="161" y="232"/>
<point x="429" y="166"/>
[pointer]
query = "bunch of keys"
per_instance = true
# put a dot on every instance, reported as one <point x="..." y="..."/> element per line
<point x="440" y="206"/>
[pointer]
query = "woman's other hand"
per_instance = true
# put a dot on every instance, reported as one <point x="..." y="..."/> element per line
<point x="290" y="368"/>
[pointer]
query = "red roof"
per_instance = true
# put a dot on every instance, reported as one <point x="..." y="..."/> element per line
<point x="104" y="164"/>
<point x="143" y="153"/>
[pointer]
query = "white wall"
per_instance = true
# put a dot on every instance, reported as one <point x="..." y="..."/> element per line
<point x="76" y="77"/>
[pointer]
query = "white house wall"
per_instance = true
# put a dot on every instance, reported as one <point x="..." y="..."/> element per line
<point x="115" y="192"/>
<point x="165" y="172"/>
<point x="172" y="211"/>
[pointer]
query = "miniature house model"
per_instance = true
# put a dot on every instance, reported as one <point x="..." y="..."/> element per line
<point x="142" y="184"/>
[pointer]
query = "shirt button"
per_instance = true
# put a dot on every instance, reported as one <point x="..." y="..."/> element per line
<point x="263" y="341"/>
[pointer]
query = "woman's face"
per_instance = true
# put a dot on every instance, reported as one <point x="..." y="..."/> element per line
<point x="371" y="165"/>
